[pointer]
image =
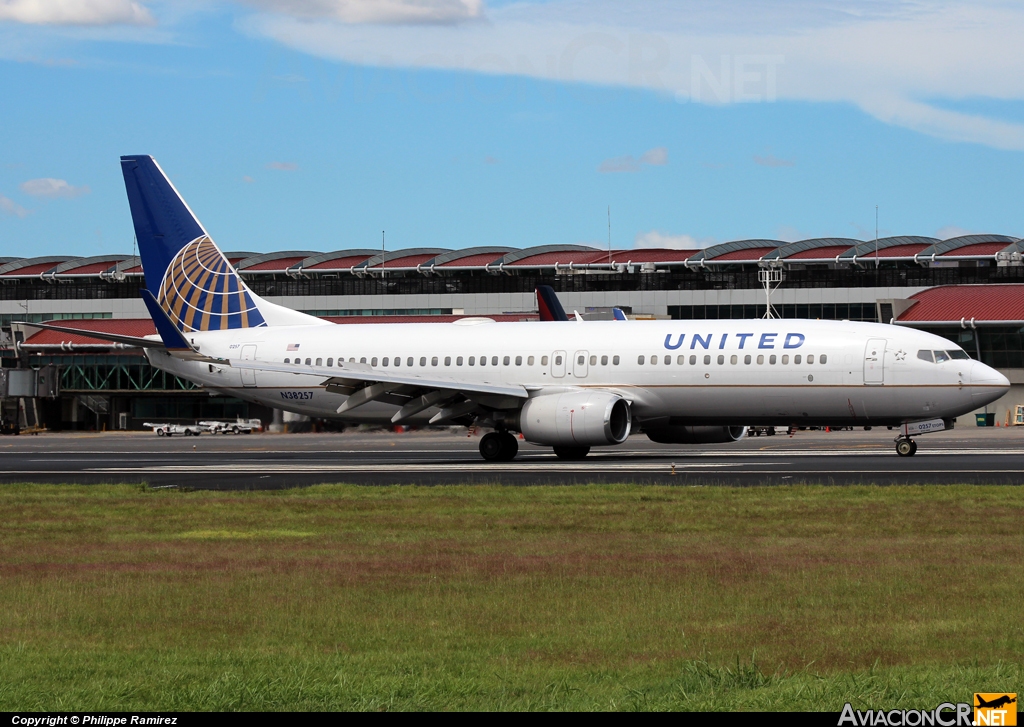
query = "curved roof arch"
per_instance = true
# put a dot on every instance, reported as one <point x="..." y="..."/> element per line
<point x="815" y="248"/>
<point x="22" y="266"/>
<point x="417" y="252"/>
<point x="458" y="257"/>
<point x="263" y="259"/>
<point x="519" y="256"/>
<point x="88" y="265"/>
<point x="978" y="244"/>
<point x="131" y="265"/>
<point x="736" y="246"/>
<point x="910" y="242"/>
<point x="323" y="260"/>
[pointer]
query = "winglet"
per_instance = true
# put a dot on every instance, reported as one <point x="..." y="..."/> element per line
<point x="619" y="315"/>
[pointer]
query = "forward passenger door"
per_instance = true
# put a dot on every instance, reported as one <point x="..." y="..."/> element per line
<point x="874" y="362"/>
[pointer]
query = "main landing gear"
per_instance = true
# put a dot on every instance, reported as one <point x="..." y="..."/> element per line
<point x="906" y="447"/>
<point x="499" y="447"/>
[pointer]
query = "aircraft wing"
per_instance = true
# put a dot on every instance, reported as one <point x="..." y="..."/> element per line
<point x="363" y="384"/>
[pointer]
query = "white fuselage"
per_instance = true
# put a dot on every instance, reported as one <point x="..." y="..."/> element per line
<point x="731" y="372"/>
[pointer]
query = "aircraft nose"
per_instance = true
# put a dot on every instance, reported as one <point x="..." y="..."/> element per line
<point x="988" y="376"/>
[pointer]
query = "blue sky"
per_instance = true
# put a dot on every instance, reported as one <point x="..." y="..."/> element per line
<point x="450" y="123"/>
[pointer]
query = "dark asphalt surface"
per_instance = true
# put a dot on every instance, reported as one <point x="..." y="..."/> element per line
<point x="267" y="461"/>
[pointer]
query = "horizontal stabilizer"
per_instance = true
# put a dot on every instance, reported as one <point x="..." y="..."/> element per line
<point x="99" y="335"/>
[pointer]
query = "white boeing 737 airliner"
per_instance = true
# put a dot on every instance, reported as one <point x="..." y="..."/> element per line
<point x="570" y="386"/>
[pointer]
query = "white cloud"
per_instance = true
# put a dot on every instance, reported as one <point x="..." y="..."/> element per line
<point x="654" y="238"/>
<point x="283" y="166"/>
<point x="75" y="12"/>
<point x="52" y="188"/>
<point x="655" y="157"/>
<point x="10" y="207"/>
<point x="904" y="63"/>
<point x="376" y="11"/>
<point x="770" y="160"/>
<point x="619" y="164"/>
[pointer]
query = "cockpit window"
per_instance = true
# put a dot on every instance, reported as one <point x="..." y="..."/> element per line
<point x="925" y="356"/>
<point x="941" y="356"/>
<point x="958" y="354"/>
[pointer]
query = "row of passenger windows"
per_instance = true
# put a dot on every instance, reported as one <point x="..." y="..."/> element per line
<point x="734" y="359"/>
<point x="459" y="361"/>
<point x="941" y="356"/>
<point x="580" y="360"/>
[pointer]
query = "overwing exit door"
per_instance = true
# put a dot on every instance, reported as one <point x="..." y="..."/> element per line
<point x="579" y="369"/>
<point x="558" y="364"/>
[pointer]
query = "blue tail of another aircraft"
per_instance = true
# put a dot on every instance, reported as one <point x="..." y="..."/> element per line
<point x="548" y="306"/>
<point x="189" y="278"/>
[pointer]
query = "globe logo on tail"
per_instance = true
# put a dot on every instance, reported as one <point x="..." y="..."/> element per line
<point x="202" y="292"/>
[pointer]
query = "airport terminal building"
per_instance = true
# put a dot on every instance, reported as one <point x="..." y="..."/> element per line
<point x="969" y="289"/>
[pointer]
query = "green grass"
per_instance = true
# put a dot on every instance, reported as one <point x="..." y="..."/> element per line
<point x="599" y="597"/>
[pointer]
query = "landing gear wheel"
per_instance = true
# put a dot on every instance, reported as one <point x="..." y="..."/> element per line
<point x="492" y="447"/>
<point x="572" y="453"/>
<point x="159" y="432"/>
<point x="499" y="447"/>
<point x="509" y="447"/>
<point x="906" y="447"/>
<point x="234" y="430"/>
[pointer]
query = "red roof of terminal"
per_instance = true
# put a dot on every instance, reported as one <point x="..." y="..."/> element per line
<point x="898" y="251"/>
<point x="281" y="263"/>
<point x="563" y="257"/>
<point x="819" y="253"/>
<point x="409" y="261"/>
<point x="35" y="269"/>
<point x="92" y="269"/>
<point x="649" y="255"/>
<point x="339" y="263"/>
<point x="478" y="260"/>
<point x="982" y="248"/>
<point x="752" y="253"/>
<point x="980" y="302"/>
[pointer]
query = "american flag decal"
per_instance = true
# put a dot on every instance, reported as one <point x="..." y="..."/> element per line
<point x="293" y="347"/>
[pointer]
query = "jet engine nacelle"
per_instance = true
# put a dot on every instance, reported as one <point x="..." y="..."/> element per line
<point x="575" y="419"/>
<point x="696" y="435"/>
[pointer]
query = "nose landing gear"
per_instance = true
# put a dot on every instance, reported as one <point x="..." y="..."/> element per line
<point x="906" y="447"/>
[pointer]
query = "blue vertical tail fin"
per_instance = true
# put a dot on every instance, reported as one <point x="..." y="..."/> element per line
<point x="548" y="306"/>
<point x="189" y="278"/>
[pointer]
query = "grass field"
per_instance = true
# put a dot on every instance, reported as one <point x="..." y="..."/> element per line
<point x="601" y="597"/>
